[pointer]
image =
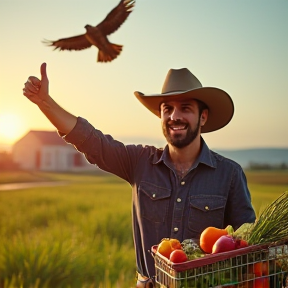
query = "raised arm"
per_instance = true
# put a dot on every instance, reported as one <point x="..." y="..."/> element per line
<point x="37" y="91"/>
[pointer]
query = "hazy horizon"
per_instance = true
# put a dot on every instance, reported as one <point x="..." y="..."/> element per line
<point x="157" y="142"/>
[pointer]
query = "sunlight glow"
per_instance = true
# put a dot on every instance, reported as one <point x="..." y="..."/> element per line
<point x="10" y="127"/>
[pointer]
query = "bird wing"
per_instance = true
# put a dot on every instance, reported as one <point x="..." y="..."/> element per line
<point x="116" y="17"/>
<point x="79" y="42"/>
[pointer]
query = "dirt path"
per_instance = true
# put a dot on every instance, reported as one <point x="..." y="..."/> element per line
<point x="17" y="186"/>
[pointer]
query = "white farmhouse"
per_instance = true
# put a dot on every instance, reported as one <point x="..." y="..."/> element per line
<point x="47" y="151"/>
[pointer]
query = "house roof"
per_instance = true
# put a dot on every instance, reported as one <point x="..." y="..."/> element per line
<point x="46" y="137"/>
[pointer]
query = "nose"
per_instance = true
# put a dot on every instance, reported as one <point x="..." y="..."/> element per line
<point x="176" y="115"/>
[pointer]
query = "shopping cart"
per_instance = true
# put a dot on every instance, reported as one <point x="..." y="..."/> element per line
<point x="255" y="266"/>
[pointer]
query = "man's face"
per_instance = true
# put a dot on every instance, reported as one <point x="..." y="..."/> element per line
<point x="181" y="122"/>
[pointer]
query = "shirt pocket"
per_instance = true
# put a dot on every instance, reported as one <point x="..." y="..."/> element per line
<point x="205" y="211"/>
<point x="154" y="201"/>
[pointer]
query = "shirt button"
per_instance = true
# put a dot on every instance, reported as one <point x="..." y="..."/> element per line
<point x="183" y="183"/>
<point x="175" y="229"/>
<point x="154" y="195"/>
<point x="179" y="200"/>
<point x="206" y="208"/>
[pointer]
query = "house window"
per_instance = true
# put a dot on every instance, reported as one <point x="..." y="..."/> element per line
<point x="78" y="161"/>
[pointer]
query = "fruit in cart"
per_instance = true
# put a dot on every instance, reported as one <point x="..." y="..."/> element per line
<point x="175" y="243"/>
<point x="165" y="247"/>
<point x="209" y="236"/>
<point x="178" y="256"/>
<point x="192" y="249"/>
<point x="240" y="243"/>
<point x="223" y="244"/>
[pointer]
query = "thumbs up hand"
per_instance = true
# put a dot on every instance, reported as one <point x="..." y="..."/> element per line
<point x="36" y="90"/>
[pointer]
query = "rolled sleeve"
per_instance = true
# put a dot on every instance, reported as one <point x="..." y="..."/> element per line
<point x="79" y="134"/>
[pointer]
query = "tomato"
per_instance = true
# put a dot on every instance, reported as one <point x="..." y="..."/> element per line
<point x="240" y="243"/>
<point x="178" y="256"/>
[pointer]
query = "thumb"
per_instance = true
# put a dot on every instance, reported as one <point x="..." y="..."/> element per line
<point x="44" y="78"/>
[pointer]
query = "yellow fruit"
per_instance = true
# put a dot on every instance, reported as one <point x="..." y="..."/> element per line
<point x="165" y="247"/>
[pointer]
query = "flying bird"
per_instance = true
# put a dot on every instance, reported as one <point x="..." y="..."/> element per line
<point x="97" y="35"/>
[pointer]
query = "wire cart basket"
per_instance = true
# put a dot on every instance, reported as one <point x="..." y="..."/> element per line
<point x="255" y="266"/>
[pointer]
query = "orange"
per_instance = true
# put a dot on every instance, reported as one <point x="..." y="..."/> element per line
<point x="175" y="243"/>
<point x="165" y="247"/>
<point x="209" y="236"/>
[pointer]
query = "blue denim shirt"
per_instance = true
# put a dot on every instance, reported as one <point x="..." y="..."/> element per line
<point x="213" y="193"/>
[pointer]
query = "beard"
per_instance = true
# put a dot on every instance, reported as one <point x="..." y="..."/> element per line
<point x="179" y="141"/>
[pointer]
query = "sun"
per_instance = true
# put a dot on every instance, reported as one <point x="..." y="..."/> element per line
<point x="10" y="127"/>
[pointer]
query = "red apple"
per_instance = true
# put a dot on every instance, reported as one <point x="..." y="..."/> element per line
<point x="223" y="244"/>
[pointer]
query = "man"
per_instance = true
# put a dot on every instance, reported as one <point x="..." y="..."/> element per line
<point x="178" y="191"/>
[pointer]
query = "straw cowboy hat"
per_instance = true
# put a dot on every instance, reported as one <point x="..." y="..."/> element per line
<point x="181" y="84"/>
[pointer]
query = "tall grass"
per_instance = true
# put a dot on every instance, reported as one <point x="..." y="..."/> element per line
<point x="74" y="236"/>
<point x="80" y="235"/>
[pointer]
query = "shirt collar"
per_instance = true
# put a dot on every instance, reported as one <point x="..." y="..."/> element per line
<point x="206" y="157"/>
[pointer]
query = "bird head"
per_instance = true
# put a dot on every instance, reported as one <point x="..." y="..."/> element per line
<point x="87" y="26"/>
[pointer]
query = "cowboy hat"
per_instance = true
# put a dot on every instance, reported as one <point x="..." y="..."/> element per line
<point x="181" y="84"/>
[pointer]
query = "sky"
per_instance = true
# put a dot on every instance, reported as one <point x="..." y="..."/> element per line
<point x="238" y="46"/>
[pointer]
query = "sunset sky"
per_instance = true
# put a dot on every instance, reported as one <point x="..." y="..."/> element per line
<point x="238" y="46"/>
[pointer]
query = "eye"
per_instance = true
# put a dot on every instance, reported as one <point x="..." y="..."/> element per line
<point x="166" y="108"/>
<point x="186" y="108"/>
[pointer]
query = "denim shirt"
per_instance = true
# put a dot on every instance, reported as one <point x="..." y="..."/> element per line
<point x="213" y="193"/>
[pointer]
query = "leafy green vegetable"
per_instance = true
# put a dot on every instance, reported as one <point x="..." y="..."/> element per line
<point x="192" y="249"/>
<point x="272" y="224"/>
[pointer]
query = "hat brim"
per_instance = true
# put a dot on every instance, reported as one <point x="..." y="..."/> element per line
<point x="220" y="104"/>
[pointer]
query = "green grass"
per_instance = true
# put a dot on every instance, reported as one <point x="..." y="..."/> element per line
<point x="80" y="235"/>
<point x="68" y="236"/>
<point x="266" y="186"/>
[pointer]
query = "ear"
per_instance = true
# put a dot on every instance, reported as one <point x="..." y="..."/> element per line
<point x="204" y="117"/>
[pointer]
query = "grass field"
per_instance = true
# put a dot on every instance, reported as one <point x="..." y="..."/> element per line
<point x="266" y="186"/>
<point x="79" y="235"/>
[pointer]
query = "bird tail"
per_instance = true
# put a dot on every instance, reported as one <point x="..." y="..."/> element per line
<point x="114" y="51"/>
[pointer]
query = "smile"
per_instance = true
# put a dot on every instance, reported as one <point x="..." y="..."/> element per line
<point x="178" y="127"/>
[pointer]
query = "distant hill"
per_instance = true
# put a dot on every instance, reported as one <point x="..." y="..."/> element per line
<point x="271" y="156"/>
